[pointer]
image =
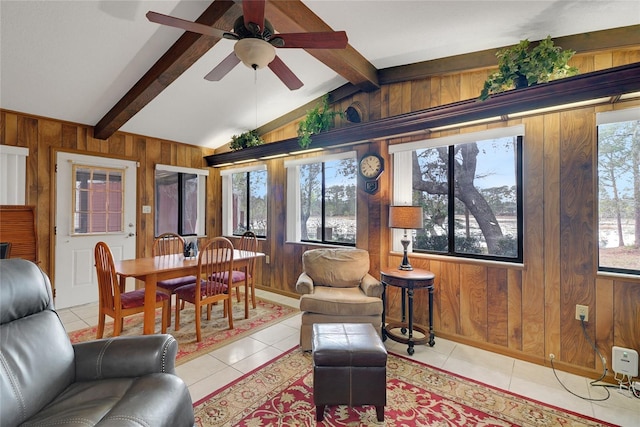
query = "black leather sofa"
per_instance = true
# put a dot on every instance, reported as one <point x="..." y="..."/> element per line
<point x="47" y="381"/>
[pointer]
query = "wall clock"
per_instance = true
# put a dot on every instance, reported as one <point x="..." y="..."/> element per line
<point x="370" y="168"/>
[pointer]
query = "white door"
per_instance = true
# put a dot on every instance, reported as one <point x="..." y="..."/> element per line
<point x="95" y="201"/>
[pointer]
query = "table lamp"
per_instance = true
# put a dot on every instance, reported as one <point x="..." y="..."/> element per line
<point x="405" y="217"/>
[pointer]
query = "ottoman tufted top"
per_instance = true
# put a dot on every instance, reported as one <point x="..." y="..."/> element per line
<point x="347" y="344"/>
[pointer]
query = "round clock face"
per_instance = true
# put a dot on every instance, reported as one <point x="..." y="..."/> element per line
<point x="371" y="166"/>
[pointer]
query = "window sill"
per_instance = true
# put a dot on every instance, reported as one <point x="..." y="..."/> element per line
<point x="622" y="276"/>
<point x="462" y="260"/>
<point x="319" y="245"/>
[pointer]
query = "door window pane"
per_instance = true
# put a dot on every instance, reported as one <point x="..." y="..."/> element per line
<point x="97" y="200"/>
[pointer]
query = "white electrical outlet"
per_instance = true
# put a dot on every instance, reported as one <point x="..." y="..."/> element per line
<point x="624" y="361"/>
<point x="582" y="310"/>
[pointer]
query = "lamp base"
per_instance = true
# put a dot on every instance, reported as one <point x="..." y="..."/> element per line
<point x="405" y="266"/>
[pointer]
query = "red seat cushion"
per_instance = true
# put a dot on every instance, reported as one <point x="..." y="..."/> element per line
<point x="236" y="276"/>
<point x="188" y="292"/>
<point x="136" y="298"/>
<point x="173" y="284"/>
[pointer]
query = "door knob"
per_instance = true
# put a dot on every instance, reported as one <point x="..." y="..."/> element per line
<point x="132" y="234"/>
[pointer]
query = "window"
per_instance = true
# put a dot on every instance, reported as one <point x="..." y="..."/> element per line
<point x="250" y="202"/>
<point x="469" y="186"/>
<point x="619" y="191"/>
<point x="180" y="200"/>
<point x="98" y="200"/>
<point x="321" y="196"/>
<point x="13" y="174"/>
<point x="244" y="200"/>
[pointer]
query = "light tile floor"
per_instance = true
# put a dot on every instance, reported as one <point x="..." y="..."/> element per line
<point x="224" y="365"/>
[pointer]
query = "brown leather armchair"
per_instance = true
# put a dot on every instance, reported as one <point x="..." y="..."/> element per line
<point x="336" y="287"/>
<point x="45" y="380"/>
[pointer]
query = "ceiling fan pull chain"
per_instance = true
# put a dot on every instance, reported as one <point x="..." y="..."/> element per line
<point x="255" y="83"/>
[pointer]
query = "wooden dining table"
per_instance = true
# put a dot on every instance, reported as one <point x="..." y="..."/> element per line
<point x="153" y="269"/>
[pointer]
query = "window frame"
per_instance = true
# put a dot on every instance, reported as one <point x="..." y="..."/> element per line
<point x="294" y="226"/>
<point x="86" y="197"/>
<point x="202" y="175"/>
<point x="227" y="197"/>
<point x="603" y="118"/>
<point x="13" y="174"/>
<point x="403" y="194"/>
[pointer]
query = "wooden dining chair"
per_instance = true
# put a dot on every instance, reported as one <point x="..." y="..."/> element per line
<point x="113" y="301"/>
<point x="214" y="260"/>
<point x="164" y="245"/>
<point x="244" y="276"/>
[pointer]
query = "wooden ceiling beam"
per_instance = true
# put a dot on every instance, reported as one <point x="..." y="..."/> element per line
<point x="180" y="56"/>
<point x="292" y="16"/>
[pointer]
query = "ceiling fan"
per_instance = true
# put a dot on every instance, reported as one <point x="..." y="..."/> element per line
<point x="256" y="41"/>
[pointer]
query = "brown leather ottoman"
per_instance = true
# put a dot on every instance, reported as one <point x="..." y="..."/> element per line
<point x="349" y="367"/>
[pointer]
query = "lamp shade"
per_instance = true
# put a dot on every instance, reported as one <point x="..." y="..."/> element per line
<point x="406" y="217"/>
<point x="254" y="53"/>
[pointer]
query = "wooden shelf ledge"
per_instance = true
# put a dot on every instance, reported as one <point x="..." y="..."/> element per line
<point x="609" y="83"/>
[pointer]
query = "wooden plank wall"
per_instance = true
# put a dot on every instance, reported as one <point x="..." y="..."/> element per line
<point x="524" y="311"/>
<point x="44" y="137"/>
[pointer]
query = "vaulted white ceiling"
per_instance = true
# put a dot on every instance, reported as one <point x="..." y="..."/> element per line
<point x="74" y="60"/>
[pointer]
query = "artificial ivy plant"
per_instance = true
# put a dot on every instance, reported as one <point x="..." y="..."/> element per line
<point x="317" y="120"/>
<point x="523" y="65"/>
<point x="246" y="139"/>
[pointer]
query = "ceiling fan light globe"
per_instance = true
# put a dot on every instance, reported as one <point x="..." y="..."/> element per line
<point x="254" y="53"/>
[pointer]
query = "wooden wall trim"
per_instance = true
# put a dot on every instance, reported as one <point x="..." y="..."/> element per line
<point x="604" y="83"/>
<point x="582" y="43"/>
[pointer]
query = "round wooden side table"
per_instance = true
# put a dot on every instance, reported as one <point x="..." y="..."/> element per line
<point x="408" y="281"/>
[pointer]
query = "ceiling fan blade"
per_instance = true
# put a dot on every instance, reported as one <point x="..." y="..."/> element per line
<point x="322" y="40"/>
<point x="223" y="68"/>
<point x="285" y="74"/>
<point x="253" y="12"/>
<point x="183" y="24"/>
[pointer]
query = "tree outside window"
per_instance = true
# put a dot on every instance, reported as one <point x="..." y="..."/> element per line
<point x="249" y="198"/>
<point x="472" y="199"/>
<point x="328" y="201"/>
<point x="619" y="196"/>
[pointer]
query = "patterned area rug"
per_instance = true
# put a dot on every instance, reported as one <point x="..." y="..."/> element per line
<point x="215" y="332"/>
<point x="280" y="393"/>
